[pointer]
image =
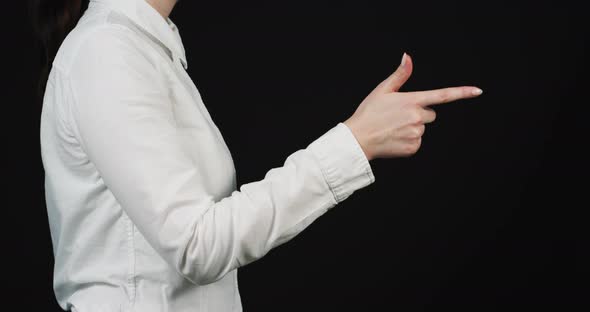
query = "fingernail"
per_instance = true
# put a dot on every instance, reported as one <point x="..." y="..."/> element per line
<point x="477" y="91"/>
<point x="404" y="59"/>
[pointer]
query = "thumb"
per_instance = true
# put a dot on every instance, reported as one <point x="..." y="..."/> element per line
<point x="396" y="80"/>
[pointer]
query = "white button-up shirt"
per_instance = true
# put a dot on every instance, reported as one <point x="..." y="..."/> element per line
<point x="141" y="194"/>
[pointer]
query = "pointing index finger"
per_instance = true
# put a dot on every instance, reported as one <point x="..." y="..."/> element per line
<point x="445" y="95"/>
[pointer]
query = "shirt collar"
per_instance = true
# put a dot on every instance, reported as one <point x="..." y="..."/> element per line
<point x="143" y="14"/>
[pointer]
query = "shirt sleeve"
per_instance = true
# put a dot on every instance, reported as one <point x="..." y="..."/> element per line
<point x="125" y="123"/>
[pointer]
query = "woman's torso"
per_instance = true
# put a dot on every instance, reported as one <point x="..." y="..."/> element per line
<point x="102" y="262"/>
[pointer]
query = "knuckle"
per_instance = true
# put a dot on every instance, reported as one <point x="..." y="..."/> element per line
<point x="412" y="148"/>
<point x="421" y="130"/>
<point x="416" y="132"/>
<point x="415" y="116"/>
<point x="444" y="96"/>
<point x="400" y="72"/>
<point x="410" y="101"/>
<point x="396" y="76"/>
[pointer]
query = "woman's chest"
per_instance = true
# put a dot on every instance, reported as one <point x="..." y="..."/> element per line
<point x="200" y="135"/>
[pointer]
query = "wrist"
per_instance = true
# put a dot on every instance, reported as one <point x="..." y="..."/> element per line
<point x="361" y="139"/>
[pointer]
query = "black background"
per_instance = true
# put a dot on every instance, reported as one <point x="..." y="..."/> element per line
<point x="488" y="214"/>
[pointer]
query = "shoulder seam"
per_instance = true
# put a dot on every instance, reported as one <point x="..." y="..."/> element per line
<point x="87" y="37"/>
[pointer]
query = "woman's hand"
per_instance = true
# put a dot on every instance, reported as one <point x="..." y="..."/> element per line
<point x="389" y="123"/>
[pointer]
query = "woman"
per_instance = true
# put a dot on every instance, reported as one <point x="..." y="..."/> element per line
<point x="143" y="206"/>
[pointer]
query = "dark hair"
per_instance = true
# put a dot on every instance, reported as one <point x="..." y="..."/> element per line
<point x="52" y="21"/>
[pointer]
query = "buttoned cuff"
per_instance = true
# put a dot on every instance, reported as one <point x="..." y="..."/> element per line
<point x="342" y="161"/>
